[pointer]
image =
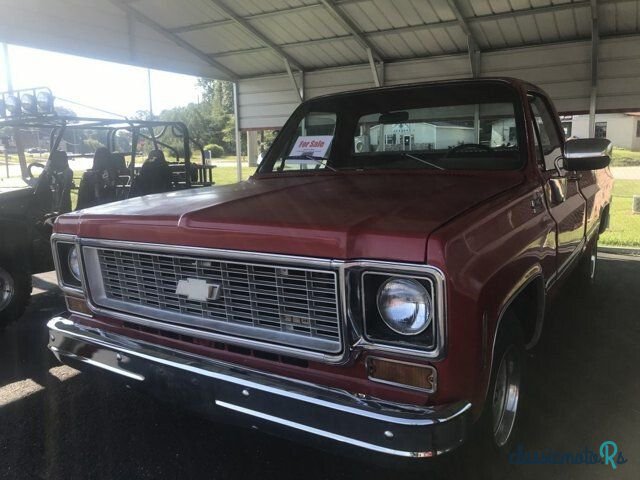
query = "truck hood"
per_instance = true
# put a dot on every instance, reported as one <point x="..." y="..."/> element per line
<point x="386" y="216"/>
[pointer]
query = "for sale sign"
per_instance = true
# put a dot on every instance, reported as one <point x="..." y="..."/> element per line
<point x="312" y="146"/>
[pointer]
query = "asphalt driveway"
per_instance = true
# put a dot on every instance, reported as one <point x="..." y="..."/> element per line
<point x="583" y="390"/>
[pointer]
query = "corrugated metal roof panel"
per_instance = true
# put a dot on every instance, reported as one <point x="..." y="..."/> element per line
<point x="620" y="18"/>
<point x="329" y="53"/>
<point x="176" y="14"/>
<point x="254" y="7"/>
<point x="299" y="27"/>
<point x="253" y="64"/>
<point x="305" y="29"/>
<point x="222" y="38"/>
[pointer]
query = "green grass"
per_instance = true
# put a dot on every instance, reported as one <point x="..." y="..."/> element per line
<point x="624" y="230"/>
<point x="227" y="175"/>
<point x="625" y="158"/>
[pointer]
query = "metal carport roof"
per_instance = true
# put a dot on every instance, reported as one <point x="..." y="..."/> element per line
<point x="584" y="52"/>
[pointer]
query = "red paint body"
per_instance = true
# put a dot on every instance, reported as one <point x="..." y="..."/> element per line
<point x="478" y="227"/>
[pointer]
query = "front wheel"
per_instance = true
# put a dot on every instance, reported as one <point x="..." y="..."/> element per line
<point x="15" y="290"/>
<point x="499" y="421"/>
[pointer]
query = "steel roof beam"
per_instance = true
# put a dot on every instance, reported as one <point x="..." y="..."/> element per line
<point x="580" y="39"/>
<point x="142" y="18"/>
<point x="462" y="21"/>
<point x="442" y="24"/>
<point x="299" y="91"/>
<point x="472" y="44"/>
<point x="352" y="28"/>
<point x="254" y="32"/>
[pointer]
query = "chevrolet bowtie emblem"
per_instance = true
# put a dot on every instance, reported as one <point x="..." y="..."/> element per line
<point x="198" y="290"/>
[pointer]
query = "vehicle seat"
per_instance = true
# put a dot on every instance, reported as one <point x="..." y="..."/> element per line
<point x="154" y="176"/>
<point x="119" y="165"/>
<point x="98" y="185"/>
<point x="52" y="191"/>
<point x="61" y="181"/>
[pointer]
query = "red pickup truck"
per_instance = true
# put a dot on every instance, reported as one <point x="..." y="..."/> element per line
<point x="373" y="286"/>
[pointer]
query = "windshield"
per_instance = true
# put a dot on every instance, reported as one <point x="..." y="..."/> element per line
<point x="450" y="127"/>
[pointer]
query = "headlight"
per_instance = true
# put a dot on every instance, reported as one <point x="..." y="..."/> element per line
<point x="74" y="263"/>
<point x="404" y="305"/>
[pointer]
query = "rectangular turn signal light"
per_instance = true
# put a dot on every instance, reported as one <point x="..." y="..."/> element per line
<point x="78" y="305"/>
<point x="402" y="374"/>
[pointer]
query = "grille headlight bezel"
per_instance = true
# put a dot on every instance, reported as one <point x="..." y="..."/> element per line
<point x="62" y="246"/>
<point x="376" y="334"/>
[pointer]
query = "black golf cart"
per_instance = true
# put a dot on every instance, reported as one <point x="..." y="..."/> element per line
<point x="39" y="185"/>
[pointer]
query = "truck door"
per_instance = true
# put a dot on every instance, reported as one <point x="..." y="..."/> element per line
<point x="566" y="204"/>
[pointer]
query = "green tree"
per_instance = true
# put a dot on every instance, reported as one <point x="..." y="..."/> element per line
<point x="211" y="121"/>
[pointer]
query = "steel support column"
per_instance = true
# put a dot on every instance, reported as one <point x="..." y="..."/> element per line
<point x="595" y="39"/>
<point x="236" y="113"/>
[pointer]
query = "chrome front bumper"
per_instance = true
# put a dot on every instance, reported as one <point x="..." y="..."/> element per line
<point x="286" y="407"/>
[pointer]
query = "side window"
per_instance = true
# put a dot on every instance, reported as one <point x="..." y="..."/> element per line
<point x="548" y="137"/>
<point x="601" y="130"/>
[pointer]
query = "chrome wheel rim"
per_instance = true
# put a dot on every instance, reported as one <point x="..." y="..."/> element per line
<point x="506" y="393"/>
<point x="7" y="289"/>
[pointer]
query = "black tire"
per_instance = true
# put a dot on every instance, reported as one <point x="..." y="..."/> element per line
<point x="15" y="291"/>
<point x="496" y="430"/>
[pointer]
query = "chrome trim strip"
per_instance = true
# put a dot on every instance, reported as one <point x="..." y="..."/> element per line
<point x="300" y="405"/>
<point x="403" y="385"/>
<point x="594" y="229"/>
<point x="324" y="433"/>
<point x="101" y="338"/>
<point x="566" y="264"/>
<point x="119" y="371"/>
<point x="236" y="255"/>
<point x="229" y="339"/>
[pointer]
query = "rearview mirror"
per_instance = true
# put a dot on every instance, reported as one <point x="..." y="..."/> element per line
<point x="587" y="153"/>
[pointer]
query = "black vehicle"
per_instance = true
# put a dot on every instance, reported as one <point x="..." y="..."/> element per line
<point x="40" y="191"/>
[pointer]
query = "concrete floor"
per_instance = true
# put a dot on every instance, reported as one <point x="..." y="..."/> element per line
<point x="582" y="389"/>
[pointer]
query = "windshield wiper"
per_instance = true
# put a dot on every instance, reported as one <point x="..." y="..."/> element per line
<point x="318" y="160"/>
<point x="422" y="160"/>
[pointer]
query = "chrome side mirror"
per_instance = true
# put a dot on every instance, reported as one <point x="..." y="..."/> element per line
<point x="587" y="153"/>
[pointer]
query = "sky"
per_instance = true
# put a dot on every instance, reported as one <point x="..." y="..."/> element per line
<point x="116" y="88"/>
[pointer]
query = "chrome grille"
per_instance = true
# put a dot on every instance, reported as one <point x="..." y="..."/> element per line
<point x="290" y="305"/>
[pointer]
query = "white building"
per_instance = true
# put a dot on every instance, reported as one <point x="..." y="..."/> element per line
<point x="623" y="129"/>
